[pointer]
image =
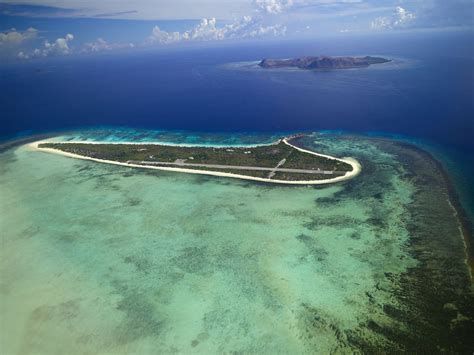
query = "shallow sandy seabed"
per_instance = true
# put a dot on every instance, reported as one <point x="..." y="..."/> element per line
<point x="102" y="258"/>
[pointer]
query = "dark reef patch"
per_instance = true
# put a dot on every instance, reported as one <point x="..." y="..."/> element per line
<point x="433" y="309"/>
<point x="67" y="238"/>
<point x="83" y="167"/>
<point x="442" y="276"/>
<point x="318" y="221"/>
<point x="319" y="254"/>
<point x="141" y="264"/>
<point x="133" y="201"/>
<point x="8" y="158"/>
<point x="141" y="318"/>
<point x="192" y="260"/>
<point x="62" y="312"/>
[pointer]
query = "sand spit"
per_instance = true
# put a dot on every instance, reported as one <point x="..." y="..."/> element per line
<point x="356" y="167"/>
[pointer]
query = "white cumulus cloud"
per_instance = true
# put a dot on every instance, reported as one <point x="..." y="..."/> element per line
<point x="16" y="37"/>
<point x="101" y="44"/>
<point x="245" y="27"/>
<point x="403" y="16"/>
<point x="59" y="47"/>
<point x="400" y="18"/>
<point x="208" y="30"/>
<point x="160" y="36"/>
<point x="272" y="6"/>
<point x="22" y="55"/>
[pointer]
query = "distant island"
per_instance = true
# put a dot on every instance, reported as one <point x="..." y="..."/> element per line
<point x="280" y="162"/>
<point x="323" y="62"/>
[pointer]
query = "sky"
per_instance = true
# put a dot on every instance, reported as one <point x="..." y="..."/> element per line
<point x="45" y="28"/>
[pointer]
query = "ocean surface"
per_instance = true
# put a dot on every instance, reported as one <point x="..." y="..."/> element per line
<point x="426" y="93"/>
<point x="120" y="260"/>
<point x="112" y="259"/>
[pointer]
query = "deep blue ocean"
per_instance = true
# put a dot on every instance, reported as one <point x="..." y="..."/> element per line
<point x="426" y="93"/>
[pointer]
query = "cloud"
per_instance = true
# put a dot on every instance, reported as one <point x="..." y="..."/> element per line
<point x="381" y="23"/>
<point x="160" y="36"/>
<point x="400" y="18"/>
<point x="404" y="16"/>
<point x="251" y="27"/>
<point x="16" y="37"/>
<point x="59" y="47"/>
<point x="101" y="44"/>
<point x="115" y="14"/>
<point x="32" y="10"/>
<point x="22" y="55"/>
<point x="272" y="6"/>
<point x="207" y="30"/>
<point x="245" y="27"/>
<point x="126" y="9"/>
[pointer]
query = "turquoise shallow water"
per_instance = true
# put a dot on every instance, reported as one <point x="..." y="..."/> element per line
<point x="123" y="134"/>
<point x="102" y="258"/>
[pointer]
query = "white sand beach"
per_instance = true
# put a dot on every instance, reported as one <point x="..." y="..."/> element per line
<point x="356" y="167"/>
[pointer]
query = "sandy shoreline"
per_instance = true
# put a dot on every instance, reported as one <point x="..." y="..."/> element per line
<point x="16" y="142"/>
<point x="356" y="167"/>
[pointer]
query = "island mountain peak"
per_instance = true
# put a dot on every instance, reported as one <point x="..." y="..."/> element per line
<point x="323" y="62"/>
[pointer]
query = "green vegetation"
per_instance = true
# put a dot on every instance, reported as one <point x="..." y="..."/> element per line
<point x="248" y="161"/>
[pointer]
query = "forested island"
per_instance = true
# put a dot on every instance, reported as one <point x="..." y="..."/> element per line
<point x="281" y="162"/>
<point x="323" y="62"/>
